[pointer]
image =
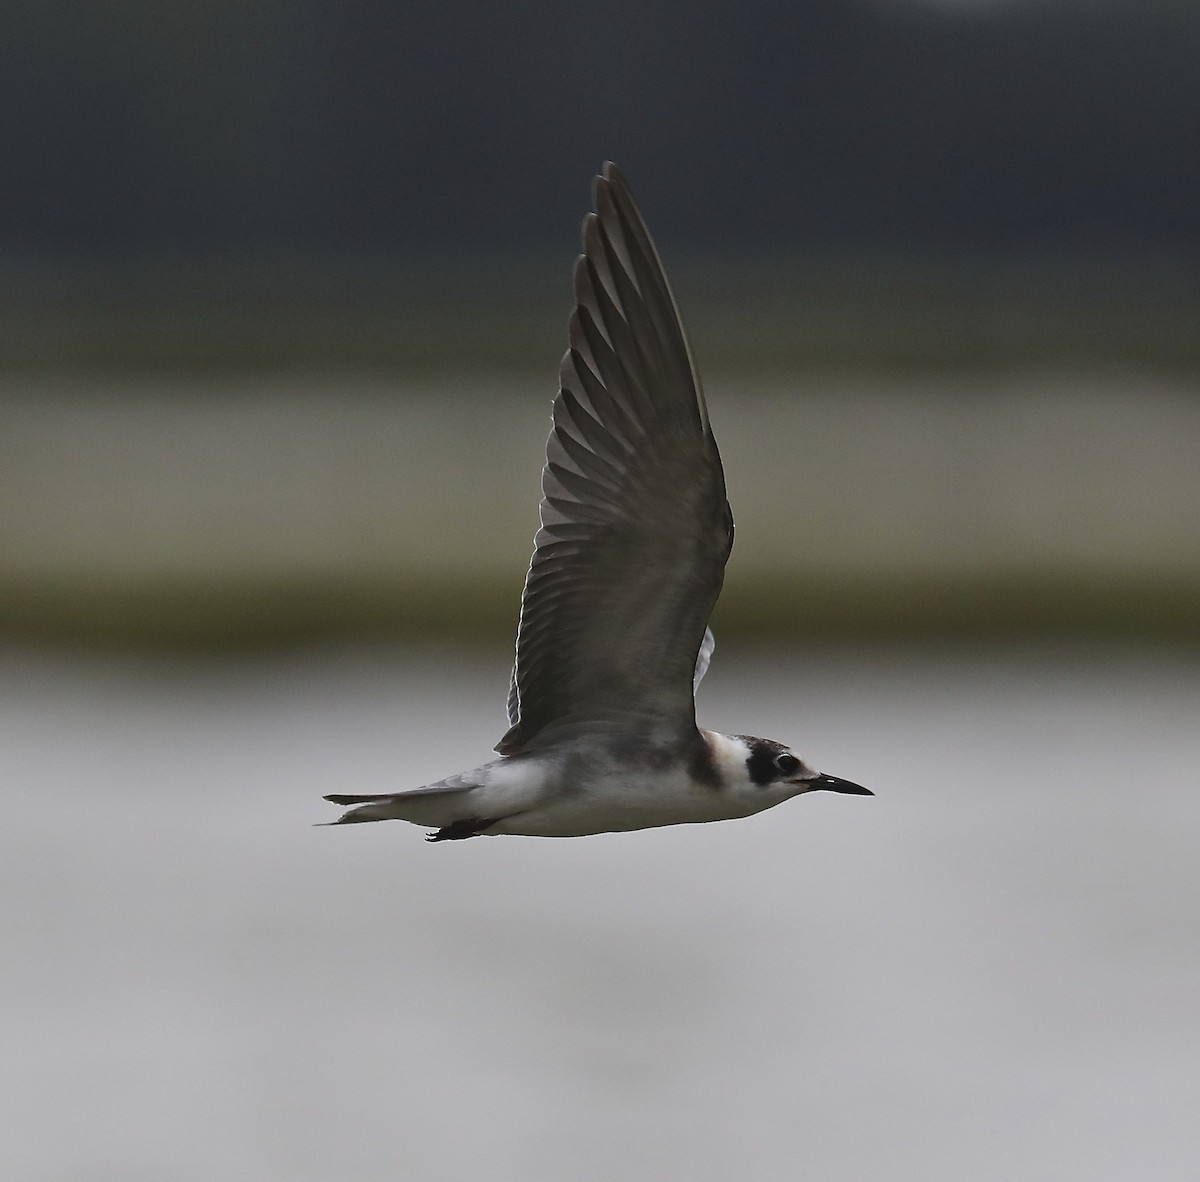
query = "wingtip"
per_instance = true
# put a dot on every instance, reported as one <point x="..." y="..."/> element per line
<point x="609" y="177"/>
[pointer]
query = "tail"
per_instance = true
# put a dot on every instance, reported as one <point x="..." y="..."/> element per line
<point x="359" y="815"/>
<point x="398" y="806"/>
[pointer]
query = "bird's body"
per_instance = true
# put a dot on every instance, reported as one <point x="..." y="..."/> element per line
<point x="587" y="787"/>
<point x="627" y="565"/>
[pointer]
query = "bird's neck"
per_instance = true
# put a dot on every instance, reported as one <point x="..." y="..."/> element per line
<point x="728" y="755"/>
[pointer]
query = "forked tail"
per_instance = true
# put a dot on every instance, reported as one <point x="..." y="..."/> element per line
<point x="426" y="805"/>
<point x="373" y="808"/>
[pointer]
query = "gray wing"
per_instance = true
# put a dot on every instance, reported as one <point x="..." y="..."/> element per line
<point x="703" y="659"/>
<point x="635" y="527"/>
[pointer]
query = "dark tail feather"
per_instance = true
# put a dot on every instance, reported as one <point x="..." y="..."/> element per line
<point x="337" y="799"/>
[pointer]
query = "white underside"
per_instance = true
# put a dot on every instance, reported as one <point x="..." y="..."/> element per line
<point x="581" y="792"/>
<point x="620" y="805"/>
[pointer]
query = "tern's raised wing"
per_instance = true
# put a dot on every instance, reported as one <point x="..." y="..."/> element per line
<point x="635" y="527"/>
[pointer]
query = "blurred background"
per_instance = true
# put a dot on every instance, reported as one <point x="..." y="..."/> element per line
<point x="283" y="288"/>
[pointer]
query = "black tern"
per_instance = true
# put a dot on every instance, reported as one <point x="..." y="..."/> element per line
<point x="627" y="565"/>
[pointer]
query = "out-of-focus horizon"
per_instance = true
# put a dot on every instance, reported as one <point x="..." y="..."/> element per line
<point x="285" y="286"/>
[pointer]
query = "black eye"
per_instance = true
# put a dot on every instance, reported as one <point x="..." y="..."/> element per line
<point x="786" y="763"/>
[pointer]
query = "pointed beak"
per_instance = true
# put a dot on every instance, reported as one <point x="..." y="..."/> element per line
<point x="833" y="784"/>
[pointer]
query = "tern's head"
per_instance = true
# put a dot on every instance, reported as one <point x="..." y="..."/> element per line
<point x="774" y="768"/>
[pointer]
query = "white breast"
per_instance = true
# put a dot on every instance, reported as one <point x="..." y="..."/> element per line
<point x="615" y="797"/>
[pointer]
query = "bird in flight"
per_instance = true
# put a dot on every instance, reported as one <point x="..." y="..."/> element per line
<point x="627" y="565"/>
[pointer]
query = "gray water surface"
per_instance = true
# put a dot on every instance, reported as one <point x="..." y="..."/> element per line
<point x="989" y="971"/>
